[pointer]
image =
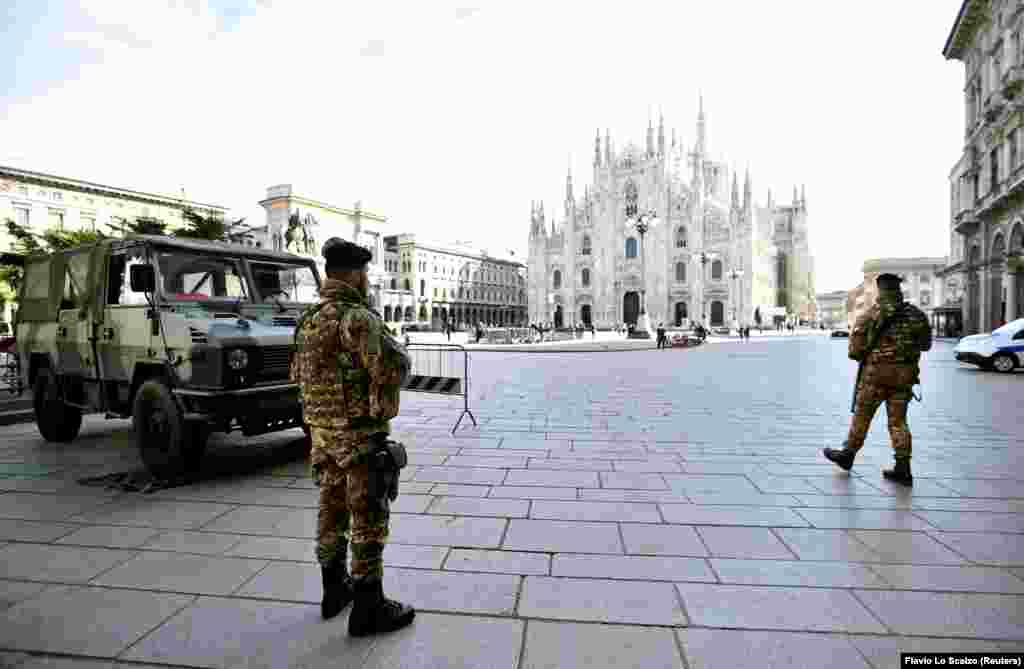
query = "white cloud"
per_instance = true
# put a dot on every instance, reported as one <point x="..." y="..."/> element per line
<point x="467" y="112"/>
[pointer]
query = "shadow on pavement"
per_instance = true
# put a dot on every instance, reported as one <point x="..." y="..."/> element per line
<point x="222" y="461"/>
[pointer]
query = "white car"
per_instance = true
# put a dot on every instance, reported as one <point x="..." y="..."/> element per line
<point x="1003" y="350"/>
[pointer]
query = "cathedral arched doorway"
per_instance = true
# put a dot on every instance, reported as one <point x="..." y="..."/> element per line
<point x="585" y="315"/>
<point x="387" y="313"/>
<point x="630" y="307"/>
<point x="717" y="313"/>
<point x="681" y="314"/>
<point x="408" y="313"/>
<point x="558" y="316"/>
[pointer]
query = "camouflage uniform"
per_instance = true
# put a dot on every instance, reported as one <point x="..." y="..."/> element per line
<point x="350" y="371"/>
<point x="890" y="367"/>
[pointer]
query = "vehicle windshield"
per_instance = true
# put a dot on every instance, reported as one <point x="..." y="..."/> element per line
<point x="284" y="282"/>
<point x="190" y="276"/>
<point x="1010" y="328"/>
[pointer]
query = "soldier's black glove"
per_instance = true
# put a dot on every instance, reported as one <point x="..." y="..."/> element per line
<point x="387" y="458"/>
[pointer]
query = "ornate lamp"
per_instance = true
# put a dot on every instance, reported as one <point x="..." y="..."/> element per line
<point x="643" y="223"/>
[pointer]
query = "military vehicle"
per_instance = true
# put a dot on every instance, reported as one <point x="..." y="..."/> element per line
<point x="185" y="337"/>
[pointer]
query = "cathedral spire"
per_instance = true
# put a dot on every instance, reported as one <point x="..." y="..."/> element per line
<point x="597" y="149"/>
<point x="661" y="133"/>
<point x="803" y="196"/>
<point x="673" y="138"/>
<point x="568" y="189"/>
<point x="796" y="200"/>
<point x="735" y="191"/>
<point x="650" y="135"/>
<point x="769" y="199"/>
<point x="607" y="147"/>
<point x="746" y="190"/>
<point x="701" y="129"/>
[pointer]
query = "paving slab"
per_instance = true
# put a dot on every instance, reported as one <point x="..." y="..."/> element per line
<point x="854" y="501"/>
<point x="109" y="536"/>
<point x="632" y="567"/>
<point x="472" y="506"/>
<point x="787" y="485"/>
<point x="498" y="562"/>
<point x="710" y="484"/>
<point x="1006" y="550"/>
<point x="632" y="481"/>
<point x="42" y="506"/>
<point x="494" y="462"/>
<point x="985" y="487"/>
<point x="58" y="564"/>
<point x="744" y="542"/>
<point x="946" y="578"/>
<point x="596" y="511"/>
<point x="883" y="652"/>
<point x="100" y="622"/>
<point x="693" y="514"/>
<point x="178" y="572"/>
<point x="556" y="536"/>
<point x="187" y="541"/>
<point x="906" y="547"/>
<point x="711" y="649"/>
<point x="967" y="521"/>
<point x="662" y="540"/>
<point x="166" y="514"/>
<point x="545" y="477"/>
<point x="475" y="475"/>
<point x="273" y="548"/>
<point x="12" y="592"/>
<point x="980" y="616"/>
<point x="778" y="608"/>
<point x="869" y="519"/>
<point x="457" y="490"/>
<point x="266" y="520"/>
<point x="27" y="530"/>
<point x="457" y="531"/>
<point x="581" y="646"/>
<point x="796" y="573"/>
<point x="605" y="601"/>
<point x="533" y="492"/>
<point x="410" y="503"/>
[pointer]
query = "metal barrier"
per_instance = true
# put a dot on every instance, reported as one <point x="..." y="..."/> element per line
<point x="442" y="369"/>
<point x="10" y="369"/>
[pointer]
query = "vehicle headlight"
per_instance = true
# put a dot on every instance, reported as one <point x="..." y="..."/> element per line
<point x="238" y="359"/>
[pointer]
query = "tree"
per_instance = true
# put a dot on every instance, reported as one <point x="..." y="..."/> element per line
<point x="212" y="228"/>
<point x="142" y="225"/>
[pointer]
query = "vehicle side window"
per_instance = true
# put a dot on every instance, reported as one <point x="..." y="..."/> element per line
<point x="69" y="300"/>
<point x="119" y="290"/>
<point x="37" y="280"/>
<point x="1019" y="335"/>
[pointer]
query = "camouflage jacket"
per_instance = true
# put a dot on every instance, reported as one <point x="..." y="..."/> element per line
<point x="348" y="367"/>
<point x="905" y="336"/>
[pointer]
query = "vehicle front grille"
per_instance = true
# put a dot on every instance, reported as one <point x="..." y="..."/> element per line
<point x="274" y="362"/>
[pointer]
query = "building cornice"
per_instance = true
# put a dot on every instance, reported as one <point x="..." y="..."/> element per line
<point x="972" y="12"/>
<point x="298" y="199"/>
<point x="878" y="264"/>
<point x="53" y="181"/>
<point x="438" y="248"/>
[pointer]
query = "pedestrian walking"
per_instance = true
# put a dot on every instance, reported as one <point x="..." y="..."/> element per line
<point x="887" y="341"/>
<point x="342" y="341"/>
<point x="661" y="335"/>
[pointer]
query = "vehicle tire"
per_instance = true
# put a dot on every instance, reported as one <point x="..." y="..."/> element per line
<point x="167" y="444"/>
<point x="1004" y="362"/>
<point x="56" y="421"/>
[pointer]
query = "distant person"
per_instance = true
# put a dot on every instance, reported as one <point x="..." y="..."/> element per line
<point x="661" y="335"/>
<point x="887" y="341"/>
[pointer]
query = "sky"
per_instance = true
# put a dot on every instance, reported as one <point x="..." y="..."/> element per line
<point x="451" y="118"/>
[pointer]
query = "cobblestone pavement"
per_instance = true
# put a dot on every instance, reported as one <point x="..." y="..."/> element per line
<point x="626" y="509"/>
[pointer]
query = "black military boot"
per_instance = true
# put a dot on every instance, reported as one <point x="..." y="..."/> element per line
<point x="843" y="458"/>
<point x="900" y="473"/>
<point x="373" y="613"/>
<point x="337" y="588"/>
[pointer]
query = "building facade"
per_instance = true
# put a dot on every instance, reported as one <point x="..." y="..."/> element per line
<point x="41" y="202"/>
<point x="923" y="285"/>
<point x="711" y="257"/>
<point x="987" y="182"/>
<point x="412" y="281"/>
<point x="832" y="311"/>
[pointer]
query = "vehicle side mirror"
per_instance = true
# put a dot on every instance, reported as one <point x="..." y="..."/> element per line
<point x="142" y="278"/>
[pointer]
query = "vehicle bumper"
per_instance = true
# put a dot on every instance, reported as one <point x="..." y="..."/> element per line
<point x="255" y="410"/>
<point x="971" y="358"/>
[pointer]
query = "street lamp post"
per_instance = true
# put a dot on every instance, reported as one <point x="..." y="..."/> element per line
<point x="643" y="223"/>
<point x="735" y="275"/>
<point x="703" y="258"/>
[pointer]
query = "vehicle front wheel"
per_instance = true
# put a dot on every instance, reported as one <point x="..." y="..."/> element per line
<point x="56" y="420"/>
<point x="1004" y="362"/>
<point x="167" y="444"/>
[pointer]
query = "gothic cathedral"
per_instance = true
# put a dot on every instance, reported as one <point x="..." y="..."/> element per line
<point x="709" y="256"/>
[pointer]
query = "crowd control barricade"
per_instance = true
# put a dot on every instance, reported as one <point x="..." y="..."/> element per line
<point x="10" y="370"/>
<point x="442" y="369"/>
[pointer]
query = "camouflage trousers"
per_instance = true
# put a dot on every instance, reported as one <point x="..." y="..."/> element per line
<point x="891" y="384"/>
<point x="347" y="513"/>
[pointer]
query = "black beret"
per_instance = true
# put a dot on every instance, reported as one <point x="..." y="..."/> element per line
<point x="343" y="255"/>
<point x="888" y="282"/>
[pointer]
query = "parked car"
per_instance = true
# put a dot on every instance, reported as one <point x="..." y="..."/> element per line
<point x="840" y="333"/>
<point x="1003" y="350"/>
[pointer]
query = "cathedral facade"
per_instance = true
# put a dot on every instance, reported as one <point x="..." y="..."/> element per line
<point x="711" y="256"/>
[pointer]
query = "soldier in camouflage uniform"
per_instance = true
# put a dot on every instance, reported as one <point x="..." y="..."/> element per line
<point x="350" y="371"/>
<point x="888" y="341"/>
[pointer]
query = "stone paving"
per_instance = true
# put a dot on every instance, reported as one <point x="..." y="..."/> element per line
<point x="621" y="509"/>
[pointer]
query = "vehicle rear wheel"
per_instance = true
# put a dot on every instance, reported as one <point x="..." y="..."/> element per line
<point x="168" y="445"/>
<point x="56" y="421"/>
<point x="1004" y="362"/>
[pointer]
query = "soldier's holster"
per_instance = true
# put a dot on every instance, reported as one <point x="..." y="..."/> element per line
<point x="387" y="458"/>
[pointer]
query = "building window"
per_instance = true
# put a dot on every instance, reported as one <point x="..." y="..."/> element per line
<point x="586" y="246"/>
<point x="21" y="216"/>
<point x="976" y="186"/>
<point x="586" y="277"/>
<point x="556" y="281"/>
<point x="631" y="247"/>
<point x="89" y="223"/>
<point x="993" y="165"/>
<point x="1012" y="141"/>
<point x="408" y="285"/>
<point x="394" y="283"/>
<point x="680" y="271"/>
<point x="55" y="220"/>
<point x="681" y="237"/>
<point x="423" y="288"/>
<point x="926" y="298"/>
<point x="58" y="197"/>
<point x="631" y="199"/>
<point x="716" y="269"/>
